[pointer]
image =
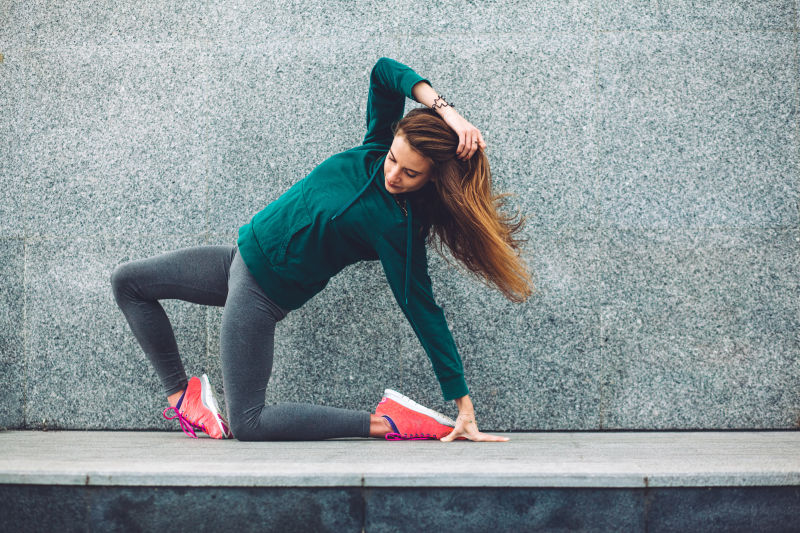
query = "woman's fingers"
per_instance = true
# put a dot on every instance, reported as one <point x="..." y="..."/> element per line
<point x="485" y="437"/>
<point x="469" y="137"/>
<point x="469" y="149"/>
<point x="461" y="144"/>
<point x="453" y="435"/>
<point x="475" y="437"/>
<point x="461" y="430"/>
<point x="478" y="436"/>
<point x="474" y="146"/>
<point x="473" y="141"/>
<point x="470" y="431"/>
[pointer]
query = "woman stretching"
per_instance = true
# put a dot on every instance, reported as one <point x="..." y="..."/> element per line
<point x="413" y="177"/>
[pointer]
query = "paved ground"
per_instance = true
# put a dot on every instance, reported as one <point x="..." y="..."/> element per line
<point x="547" y="459"/>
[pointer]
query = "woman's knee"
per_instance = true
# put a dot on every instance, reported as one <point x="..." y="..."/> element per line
<point x="253" y="428"/>
<point x="243" y="430"/>
<point x="121" y="277"/>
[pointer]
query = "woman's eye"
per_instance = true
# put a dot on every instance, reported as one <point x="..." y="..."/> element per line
<point x="409" y="174"/>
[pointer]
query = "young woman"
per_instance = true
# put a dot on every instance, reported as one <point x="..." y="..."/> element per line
<point x="413" y="177"/>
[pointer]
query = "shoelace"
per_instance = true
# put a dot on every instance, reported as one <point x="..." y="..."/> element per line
<point x="408" y="436"/>
<point x="187" y="425"/>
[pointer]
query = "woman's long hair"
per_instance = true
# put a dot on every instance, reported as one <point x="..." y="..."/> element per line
<point x="459" y="206"/>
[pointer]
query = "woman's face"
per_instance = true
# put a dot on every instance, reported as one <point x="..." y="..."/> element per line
<point x="404" y="168"/>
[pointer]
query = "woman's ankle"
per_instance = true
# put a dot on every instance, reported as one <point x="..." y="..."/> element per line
<point x="173" y="398"/>
<point x="378" y="426"/>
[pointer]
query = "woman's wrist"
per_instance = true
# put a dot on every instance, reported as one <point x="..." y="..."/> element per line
<point x="426" y="95"/>
<point x="444" y="112"/>
<point x="441" y="105"/>
<point x="464" y="405"/>
<point x="465" y="418"/>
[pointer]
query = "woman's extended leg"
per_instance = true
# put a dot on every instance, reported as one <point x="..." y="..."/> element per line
<point x="197" y="274"/>
<point x="246" y="347"/>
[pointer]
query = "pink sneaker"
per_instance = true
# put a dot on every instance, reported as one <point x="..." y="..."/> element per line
<point x="198" y="409"/>
<point x="410" y="420"/>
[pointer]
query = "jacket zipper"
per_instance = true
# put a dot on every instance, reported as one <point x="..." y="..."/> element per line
<point x="406" y="209"/>
<point x="402" y="206"/>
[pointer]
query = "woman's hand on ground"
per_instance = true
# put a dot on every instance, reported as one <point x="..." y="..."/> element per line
<point x="469" y="138"/>
<point x="467" y="427"/>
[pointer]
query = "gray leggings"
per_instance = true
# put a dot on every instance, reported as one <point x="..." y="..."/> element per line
<point x="216" y="275"/>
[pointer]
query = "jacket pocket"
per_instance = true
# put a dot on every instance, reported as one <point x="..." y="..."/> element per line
<point x="278" y="257"/>
<point x="278" y="223"/>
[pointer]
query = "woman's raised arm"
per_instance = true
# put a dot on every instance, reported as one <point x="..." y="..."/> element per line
<point x="390" y="83"/>
<point x="469" y="138"/>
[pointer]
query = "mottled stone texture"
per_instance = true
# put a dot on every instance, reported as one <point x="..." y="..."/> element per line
<point x="652" y="146"/>
<point x="12" y="336"/>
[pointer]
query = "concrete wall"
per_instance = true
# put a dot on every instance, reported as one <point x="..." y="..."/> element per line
<point x="652" y="145"/>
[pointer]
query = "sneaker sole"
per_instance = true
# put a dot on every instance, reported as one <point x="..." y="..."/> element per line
<point x="405" y="401"/>
<point x="210" y="402"/>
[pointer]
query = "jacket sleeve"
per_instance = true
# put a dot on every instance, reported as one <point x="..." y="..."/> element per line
<point x="390" y="82"/>
<point x="425" y="316"/>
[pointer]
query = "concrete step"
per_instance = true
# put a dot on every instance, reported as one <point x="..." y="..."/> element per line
<point x="548" y="481"/>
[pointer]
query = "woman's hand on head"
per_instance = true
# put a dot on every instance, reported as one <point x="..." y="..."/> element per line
<point x="467" y="427"/>
<point x="469" y="138"/>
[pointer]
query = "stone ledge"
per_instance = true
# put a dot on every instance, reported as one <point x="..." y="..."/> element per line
<point x="546" y="459"/>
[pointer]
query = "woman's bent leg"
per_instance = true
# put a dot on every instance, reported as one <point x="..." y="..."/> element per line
<point x="246" y="348"/>
<point x="197" y="274"/>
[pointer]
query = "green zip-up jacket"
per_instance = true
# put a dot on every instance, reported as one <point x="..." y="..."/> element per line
<point x="341" y="213"/>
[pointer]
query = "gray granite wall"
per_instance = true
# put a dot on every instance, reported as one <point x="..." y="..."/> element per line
<point x="653" y="147"/>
